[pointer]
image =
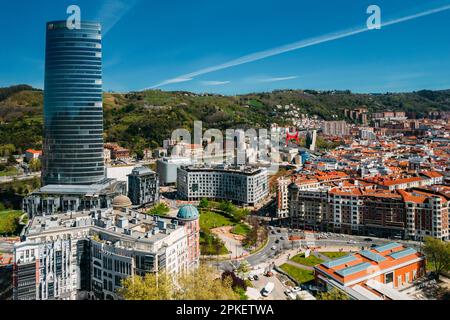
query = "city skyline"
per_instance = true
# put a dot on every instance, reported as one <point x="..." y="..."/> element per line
<point x="407" y="56"/>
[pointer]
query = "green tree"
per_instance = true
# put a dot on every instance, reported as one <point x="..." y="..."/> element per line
<point x="244" y="267"/>
<point x="160" y="209"/>
<point x="11" y="160"/>
<point x="35" y="165"/>
<point x="199" y="284"/>
<point x="438" y="253"/>
<point x="7" y="149"/>
<point x="152" y="286"/>
<point x="333" y="294"/>
<point x="227" y="207"/>
<point x="205" y="284"/>
<point x="204" y="203"/>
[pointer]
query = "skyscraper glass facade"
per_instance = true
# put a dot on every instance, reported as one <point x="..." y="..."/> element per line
<point x="73" y="108"/>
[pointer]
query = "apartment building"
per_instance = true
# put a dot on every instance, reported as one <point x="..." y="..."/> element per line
<point x="309" y="209"/>
<point x="335" y="128"/>
<point x="427" y="214"/>
<point x="304" y="182"/>
<point x="372" y="212"/>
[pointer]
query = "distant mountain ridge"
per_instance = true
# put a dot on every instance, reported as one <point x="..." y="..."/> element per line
<point x="140" y="120"/>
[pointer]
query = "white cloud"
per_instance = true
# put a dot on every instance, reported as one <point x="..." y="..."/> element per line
<point x="300" y="44"/>
<point x="214" y="83"/>
<point x="276" y="79"/>
<point x="112" y="11"/>
<point x="178" y="80"/>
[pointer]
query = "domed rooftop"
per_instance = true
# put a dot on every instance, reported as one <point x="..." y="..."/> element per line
<point x="121" y="201"/>
<point x="188" y="212"/>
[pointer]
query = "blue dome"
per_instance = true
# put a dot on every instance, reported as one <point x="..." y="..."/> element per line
<point x="188" y="212"/>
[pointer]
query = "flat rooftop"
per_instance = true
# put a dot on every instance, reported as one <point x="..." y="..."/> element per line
<point x="102" y="186"/>
<point x="118" y="225"/>
<point x="227" y="169"/>
<point x="358" y="266"/>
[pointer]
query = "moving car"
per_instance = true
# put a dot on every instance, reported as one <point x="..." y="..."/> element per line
<point x="368" y="239"/>
<point x="268" y="289"/>
<point x="274" y="248"/>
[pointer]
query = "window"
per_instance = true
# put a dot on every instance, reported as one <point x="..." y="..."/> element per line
<point x="389" y="277"/>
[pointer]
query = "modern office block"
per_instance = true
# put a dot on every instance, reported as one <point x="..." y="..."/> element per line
<point x="73" y="108"/>
<point x="246" y="185"/>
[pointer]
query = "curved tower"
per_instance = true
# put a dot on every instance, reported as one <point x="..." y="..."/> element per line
<point x="73" y="108"/>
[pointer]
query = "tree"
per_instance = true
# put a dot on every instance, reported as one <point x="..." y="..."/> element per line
<point x="198" y="284"/>
<point x="204" y="203"/>
<point x="11" y="160"/>
<point x="438" y="252"/>
<point x="333" y="294"/>
<point x="227" y="207"/>
<point x="244" y="267"/>
<point x="7" y="149"/>
<point x="203" y="284"/>
<point x="35" y="165"/>
<point x="160" y="209"/>
<point x="149" y="287"/>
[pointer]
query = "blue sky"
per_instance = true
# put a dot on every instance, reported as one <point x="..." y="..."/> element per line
<point x="148" y="42"/>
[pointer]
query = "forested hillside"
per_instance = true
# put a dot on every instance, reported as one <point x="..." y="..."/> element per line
<point x="143" y="119"/>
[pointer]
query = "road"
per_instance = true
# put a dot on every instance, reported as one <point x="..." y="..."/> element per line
<point x="18" y="178"/>
<point x="278" y="290"/>
<point x="268" y="255"/>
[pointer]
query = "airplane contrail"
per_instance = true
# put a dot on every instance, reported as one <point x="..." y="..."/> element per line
<point x="294" y="46"/>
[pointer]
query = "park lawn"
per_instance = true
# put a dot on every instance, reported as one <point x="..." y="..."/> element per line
<point x="211" y="245"/>
<point x="335" y="255"/>
<point x="241" y="229"/>
<point x="8" y="172"/>
<point x="210" y="220"/>
<point x="311" y="261"/>
<point x="301" y="275"/>
<point x="5" y="216"/>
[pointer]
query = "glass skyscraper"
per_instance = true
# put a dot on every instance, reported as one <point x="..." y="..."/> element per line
<point x="73" y="108"/>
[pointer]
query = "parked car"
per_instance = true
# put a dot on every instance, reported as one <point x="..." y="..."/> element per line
<point x="251" y="278"/>
<point x="274" y="248"/>
<point x="256" y="277"/>
<point x="296" y="289"/>
<point x="368" y="239"/>
<point x="287" y="292"/>
<point x="282" y="238"/>
<point x="277" y="241"/>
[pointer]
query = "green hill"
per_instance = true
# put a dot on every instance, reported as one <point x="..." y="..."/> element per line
<point x="143" y="119"/>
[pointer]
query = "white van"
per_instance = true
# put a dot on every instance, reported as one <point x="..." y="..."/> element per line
<point x="268" y="289"/>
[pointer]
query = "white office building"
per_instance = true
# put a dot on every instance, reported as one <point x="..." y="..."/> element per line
<point x="245" y="185"/>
